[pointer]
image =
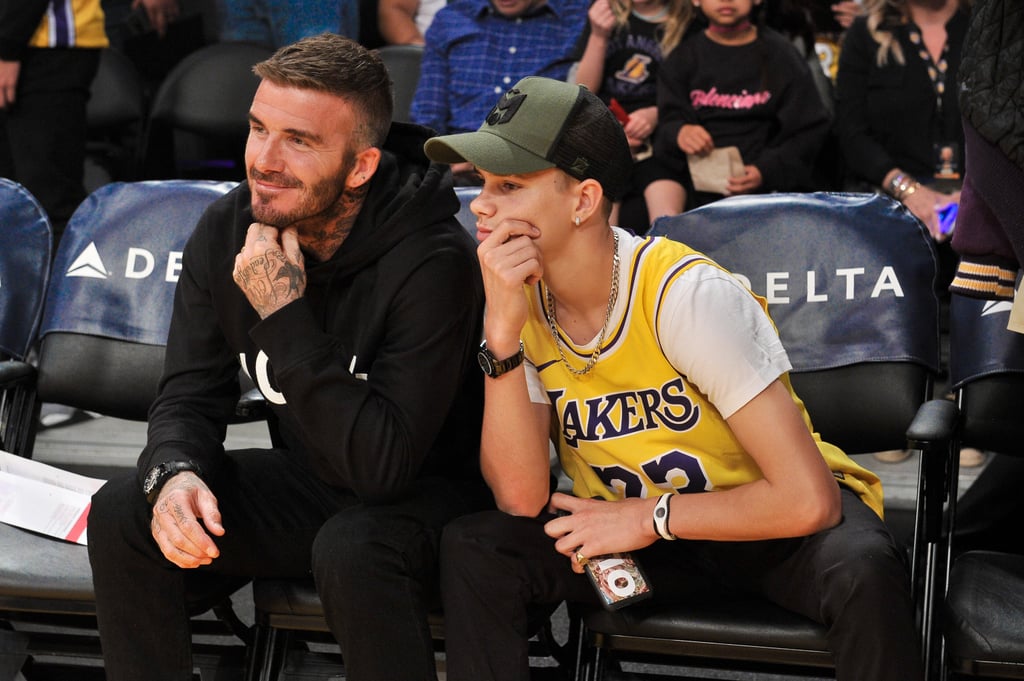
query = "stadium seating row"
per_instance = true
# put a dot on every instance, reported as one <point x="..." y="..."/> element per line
<point x="849" y="280"/>
<point x="196" y="122"/>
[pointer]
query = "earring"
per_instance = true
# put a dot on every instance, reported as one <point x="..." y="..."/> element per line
<point x="576" y="221"/>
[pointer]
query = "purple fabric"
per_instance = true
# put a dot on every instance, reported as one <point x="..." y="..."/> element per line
<point x="63" y="23"/>
<point x="990" y="226"/>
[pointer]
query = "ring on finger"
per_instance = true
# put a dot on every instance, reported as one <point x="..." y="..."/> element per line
<point x="580" y="558"/>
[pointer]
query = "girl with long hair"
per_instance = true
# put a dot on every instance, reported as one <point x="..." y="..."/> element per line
<point x="627" y="41"/>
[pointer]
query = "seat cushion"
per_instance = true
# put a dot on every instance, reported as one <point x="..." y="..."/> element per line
<point x="43" y="574"/>
<point x="728" y="626"/>
<point x="985" y="608"/>
<point x="294" y="604"/>
<point x="292" y="598"/>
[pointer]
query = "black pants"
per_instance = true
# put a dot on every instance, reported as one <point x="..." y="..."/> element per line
<point x="375" y="566"/>
<point x="988" y="515"/>
<point x="42" y="137"/>
<point x="498" y="570"/>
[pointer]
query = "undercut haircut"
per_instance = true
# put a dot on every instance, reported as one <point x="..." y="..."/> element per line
<point x="338" y="66"/>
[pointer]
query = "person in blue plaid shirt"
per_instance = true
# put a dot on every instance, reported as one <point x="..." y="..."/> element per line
<point x="477" y="49"/>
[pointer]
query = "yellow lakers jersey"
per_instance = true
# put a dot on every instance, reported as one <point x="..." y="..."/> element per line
<point x="71" y="23"/>
<point x="634" y="426"/>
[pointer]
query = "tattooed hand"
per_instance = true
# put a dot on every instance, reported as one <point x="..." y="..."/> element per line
<point x="176" y="526"/>
<point x="270" y="268"/>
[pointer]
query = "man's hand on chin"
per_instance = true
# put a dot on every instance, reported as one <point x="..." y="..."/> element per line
<point x="270" y="269"/>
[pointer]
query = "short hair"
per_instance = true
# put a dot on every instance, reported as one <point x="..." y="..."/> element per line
<point x="342" y="67"/>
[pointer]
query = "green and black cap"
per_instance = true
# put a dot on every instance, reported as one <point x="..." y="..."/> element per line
<point x="543" y="123"/>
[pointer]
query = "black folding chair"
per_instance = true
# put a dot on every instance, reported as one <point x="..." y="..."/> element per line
<point x="114" y="117"/>
<point x="198" y="121"/>
<point x="984" y="614"/>
<point x="403" y="64"/>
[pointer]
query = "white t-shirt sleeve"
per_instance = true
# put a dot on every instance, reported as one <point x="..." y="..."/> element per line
<point x="533" y="383"/>
<point x="715" y="333"/>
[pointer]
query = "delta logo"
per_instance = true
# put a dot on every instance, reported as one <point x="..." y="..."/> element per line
<point x="996" y="307"/>
<point x="846" y="283"/>
<point x="139" y="263"/>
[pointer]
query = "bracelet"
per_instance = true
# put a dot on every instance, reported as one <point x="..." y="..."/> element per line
<point x="894" y="184"/>
<point x="901" y="186"/>
<point x="661" y="512"/>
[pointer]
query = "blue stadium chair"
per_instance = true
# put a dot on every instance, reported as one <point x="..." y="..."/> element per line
<point x="110" y="301"/>
<point x="24" y="273"/>
<point x="849" y="280"/>
<point x="101" y="348"/>
<point x="24" y="268"/>
<point x="984" y="608"/>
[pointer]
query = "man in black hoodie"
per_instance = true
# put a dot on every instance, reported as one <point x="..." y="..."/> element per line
<point x="340" y="282"/>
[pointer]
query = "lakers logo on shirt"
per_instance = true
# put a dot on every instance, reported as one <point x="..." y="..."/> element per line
<point x="636" y="69"/>
<point x="616" y="415"/>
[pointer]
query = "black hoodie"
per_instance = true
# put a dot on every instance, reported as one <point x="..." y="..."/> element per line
<point x="372" y="373"/>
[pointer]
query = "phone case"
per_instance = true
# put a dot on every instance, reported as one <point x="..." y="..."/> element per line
<point x="618" y="579"/>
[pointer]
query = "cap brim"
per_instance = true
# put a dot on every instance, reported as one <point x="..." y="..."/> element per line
<point x="486" y="151"/>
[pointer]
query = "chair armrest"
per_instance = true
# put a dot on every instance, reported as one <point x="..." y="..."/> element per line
<point x="15" y="372"/>
<point x="933" y="431"/>
<point x="251" y="407"/>
<point x="19" y="408"/>
<point x="934" y="423"/>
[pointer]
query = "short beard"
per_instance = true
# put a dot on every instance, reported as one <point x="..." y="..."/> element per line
<point x="326" y="214"/>
<point x="321" y="200"/>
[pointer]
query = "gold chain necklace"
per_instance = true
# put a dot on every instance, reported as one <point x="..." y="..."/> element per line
<point x="549" y="312"/>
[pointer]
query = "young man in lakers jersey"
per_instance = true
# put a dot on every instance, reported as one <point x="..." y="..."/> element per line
<point x="668" y="390"/>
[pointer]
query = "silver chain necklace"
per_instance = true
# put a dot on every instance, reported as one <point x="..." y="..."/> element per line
<point x="549" y="312"/>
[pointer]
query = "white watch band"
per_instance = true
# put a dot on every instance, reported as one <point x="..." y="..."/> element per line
<point x="661" y="514"/>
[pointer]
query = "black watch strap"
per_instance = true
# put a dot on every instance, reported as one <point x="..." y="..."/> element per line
<point x="158" y="475"/>
<point x="494" y="367"/>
